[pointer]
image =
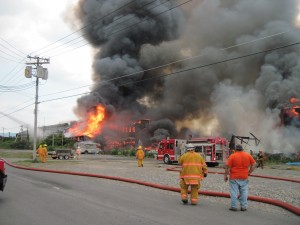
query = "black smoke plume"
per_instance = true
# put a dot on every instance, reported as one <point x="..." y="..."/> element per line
<point x="235" y="97"/>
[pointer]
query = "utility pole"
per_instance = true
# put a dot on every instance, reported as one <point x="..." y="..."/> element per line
<point x="40" y="73"/>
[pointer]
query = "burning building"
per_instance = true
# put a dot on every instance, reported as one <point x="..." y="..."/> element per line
<point x="290" y="114"/>
<point x="206" y="67"/>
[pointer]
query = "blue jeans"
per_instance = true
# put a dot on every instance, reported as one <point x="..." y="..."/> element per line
<point x="238" y="191"/>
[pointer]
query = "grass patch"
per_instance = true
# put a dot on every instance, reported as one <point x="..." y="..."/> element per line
<point x="293" y="168"/>
<point x="31" y="163"/>
<point x="12" y="154"/>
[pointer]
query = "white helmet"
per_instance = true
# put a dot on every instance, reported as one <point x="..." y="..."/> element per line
<point x="189" y="147"/>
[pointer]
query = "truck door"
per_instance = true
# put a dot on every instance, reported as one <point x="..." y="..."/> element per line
<point x="208" y="153"/>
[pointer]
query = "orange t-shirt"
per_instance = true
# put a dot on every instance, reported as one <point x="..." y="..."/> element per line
<point x="239" y="163"/>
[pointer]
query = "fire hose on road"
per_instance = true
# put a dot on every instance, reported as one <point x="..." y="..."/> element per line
<point x="284" y="205"/>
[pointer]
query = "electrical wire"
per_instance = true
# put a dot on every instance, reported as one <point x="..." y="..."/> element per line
<point x="83" y="40"/>
<point x="186" y="70"/>
<point x="23" y="54"/>
<point x="128" y="27"/>
<point x="16" y="88"/>
<point x="174" y="62"/>
<point x="84" y="27"/>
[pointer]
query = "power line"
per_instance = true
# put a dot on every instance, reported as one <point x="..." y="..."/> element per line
<point x="128" y="27"/>
<point x="81" y="36"/>
<point x="174" y="62"/>
<point x="186" y="70"/>
<point x="85" y="26"/>
<point x="188" y="58"/>
<point x="7" y="114"/>
<point x="16" y="88"/>
<point x="23" y="54"/>
<point x="11" y="60"/>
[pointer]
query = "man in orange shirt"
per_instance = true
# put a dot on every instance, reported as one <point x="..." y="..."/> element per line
<point x="239" y="166"/>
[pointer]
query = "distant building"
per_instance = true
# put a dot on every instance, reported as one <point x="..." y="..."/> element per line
<point x="53" y="129"/>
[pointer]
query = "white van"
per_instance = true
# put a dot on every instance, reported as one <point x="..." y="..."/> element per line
<point x="88" y="147"/>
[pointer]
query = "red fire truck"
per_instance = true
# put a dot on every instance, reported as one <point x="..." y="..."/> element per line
<point x="3" y="176"/>
<point x="213" y="149"/>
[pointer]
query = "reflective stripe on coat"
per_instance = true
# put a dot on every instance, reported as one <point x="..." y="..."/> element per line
<point x="193" y="167"/>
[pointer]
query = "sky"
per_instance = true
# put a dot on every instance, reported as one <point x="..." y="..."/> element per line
<point x="25" y="27"/>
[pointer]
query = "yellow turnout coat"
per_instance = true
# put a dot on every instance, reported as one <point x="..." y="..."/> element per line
<point x="193" y="167"/>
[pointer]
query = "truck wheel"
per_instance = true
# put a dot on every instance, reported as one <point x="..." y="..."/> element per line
<point x="60" y="157"/>
<point x="167" y="159"/>
<point x="66" y="157"/>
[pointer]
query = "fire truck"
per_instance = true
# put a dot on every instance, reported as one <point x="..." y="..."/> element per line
<point x="213" y="149"/>
<point x="3" y="176"/>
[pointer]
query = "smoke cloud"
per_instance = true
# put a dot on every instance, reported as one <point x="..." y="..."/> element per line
<point x="235" y="97"/>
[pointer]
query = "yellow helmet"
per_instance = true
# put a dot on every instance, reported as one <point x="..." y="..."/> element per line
<point x="45" y="145"/>
<point x="140" y="147"/>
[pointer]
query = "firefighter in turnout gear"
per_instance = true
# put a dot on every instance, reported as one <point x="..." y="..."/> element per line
<point x="45" y="153"/>
<point x="140" y="155"/>
<point x="40" y="152"/>
<point x="193" y="170"/>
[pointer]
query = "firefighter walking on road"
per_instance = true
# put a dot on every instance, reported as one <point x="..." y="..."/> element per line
<point x="193" y="170"/>
<point x="140" y="155"/>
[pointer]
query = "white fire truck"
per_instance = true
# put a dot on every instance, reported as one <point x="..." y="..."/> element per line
<point x="213" y="149"/>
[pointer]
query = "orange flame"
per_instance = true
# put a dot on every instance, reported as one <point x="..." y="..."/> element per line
<point x="294" y="112"/>
<point x="93" y="124"/>
<point x="294" y="100"/>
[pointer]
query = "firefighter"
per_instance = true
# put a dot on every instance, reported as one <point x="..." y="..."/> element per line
<point x="44" y="153"/>
<point x="140" y="155"/>
<point x="193" y="170"/>
<point x="78" y="152"/>
<point x="261" y="158"/>
<point x="40" y="152"/>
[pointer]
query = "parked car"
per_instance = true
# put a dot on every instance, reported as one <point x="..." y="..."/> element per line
<point x="88" y="147"/>
<point x="3" y="176"/>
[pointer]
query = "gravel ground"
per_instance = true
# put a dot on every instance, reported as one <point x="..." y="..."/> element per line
<point x="156" y="172"/>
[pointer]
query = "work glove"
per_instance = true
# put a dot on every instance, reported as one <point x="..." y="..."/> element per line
<point x="205" y="175"/>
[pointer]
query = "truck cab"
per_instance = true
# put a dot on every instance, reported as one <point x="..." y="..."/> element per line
<point x="169" y="150"/>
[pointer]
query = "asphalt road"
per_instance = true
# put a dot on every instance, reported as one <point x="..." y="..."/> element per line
<point x="38" y="198"/>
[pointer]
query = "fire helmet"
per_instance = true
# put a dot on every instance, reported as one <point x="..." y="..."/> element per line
<point x="140" y="147"/>
<point x="238" y="147"/>
<point x="189" y="147"/>
<point x="45" y="145"/>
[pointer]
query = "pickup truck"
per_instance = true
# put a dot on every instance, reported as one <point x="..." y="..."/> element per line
<point x="3" y="176"/>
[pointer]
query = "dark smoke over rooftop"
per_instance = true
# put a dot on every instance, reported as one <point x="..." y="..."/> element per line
<point x="235" y="97"/>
